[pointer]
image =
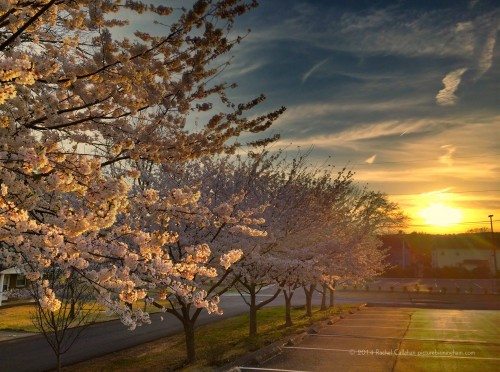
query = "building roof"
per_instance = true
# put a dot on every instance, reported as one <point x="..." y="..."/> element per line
<point x="12" y="270"/>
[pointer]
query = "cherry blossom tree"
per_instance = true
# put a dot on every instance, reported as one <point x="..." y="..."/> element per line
<point x="61" y="328"/>
<point x="357" y="256"/>
<point x="328" y="234"/>
<point x="295" y="221"/>
<point x="82" y="105"/>
<point x="210" y="233"/>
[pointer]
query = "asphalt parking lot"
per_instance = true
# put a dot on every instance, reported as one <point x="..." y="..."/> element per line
<point x="397" y="339"/>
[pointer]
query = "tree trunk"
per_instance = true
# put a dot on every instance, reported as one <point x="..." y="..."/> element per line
<point x="189" y="334"/>
<point x="332" y="297"/>
<point x="72" y="303"/>
<point x="72" y="309"/>
<point x="253" y="313"/>
<point x="323" y="298"/>
<point x="288" y="309"/>
<point x="58" y="358"/>
<point x="309" y="292"/>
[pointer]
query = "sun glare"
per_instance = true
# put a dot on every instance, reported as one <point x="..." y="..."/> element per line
<point x="441" y="215"/>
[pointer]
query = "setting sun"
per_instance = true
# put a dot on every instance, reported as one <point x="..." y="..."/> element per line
<point x="438" y="214"/>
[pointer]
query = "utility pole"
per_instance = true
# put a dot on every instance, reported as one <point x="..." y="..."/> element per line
<point x="494" y="253"/>
<point x="403" y="250"/>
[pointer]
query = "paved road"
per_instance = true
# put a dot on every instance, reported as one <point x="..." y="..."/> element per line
<point x="34" y="354"/>
<point x="397" y="339"/>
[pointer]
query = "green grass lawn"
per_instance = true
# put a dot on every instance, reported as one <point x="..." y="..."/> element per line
<point x="18" y="318"/>
<point x="216" y="343"/>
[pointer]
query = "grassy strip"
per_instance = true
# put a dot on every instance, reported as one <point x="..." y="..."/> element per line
<point x="18" y="318"/>
<point x="216" y="343"/>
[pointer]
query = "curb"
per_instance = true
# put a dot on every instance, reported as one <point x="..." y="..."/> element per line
<point x="263" y="354"/>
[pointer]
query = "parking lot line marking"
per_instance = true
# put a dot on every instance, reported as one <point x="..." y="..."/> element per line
<point x="353" y="352"/>
<point x="270" y="369"/>
<point x="382" y="316"/>
<point x="403" y="320"/>
<point x="399" y="315"/>
<point x="366" y="319"/>
<point x="412" y="329"/>
<point x="318" y="348"/>
<point x="410" y="339"/>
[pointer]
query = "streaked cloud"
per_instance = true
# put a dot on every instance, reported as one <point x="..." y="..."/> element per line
<point x="313" y="69"/>
<point x="389" y="30"/>
<point x="446" y="96"/>
<point x="371" y="159"/>
<point x="486" y="56"/>
<point x="307" y="111"/>
<point x="447" y="158"/>
<point x="241" y="69"/>
<point x="464" y="26"/>
<point x="366" y="131"/>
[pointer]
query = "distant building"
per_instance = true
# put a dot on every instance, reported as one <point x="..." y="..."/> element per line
<point x="408" y="253"/>
<point x="10" y="279"/>
<point x="468" y="251"/>
<point x="419" y="254"/>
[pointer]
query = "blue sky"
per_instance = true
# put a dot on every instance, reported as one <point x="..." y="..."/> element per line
<point x="405" y="93"/>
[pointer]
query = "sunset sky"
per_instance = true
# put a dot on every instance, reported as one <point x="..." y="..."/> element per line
<point x="404" y="93"/>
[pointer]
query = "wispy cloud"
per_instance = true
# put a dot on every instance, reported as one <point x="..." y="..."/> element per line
<point x="448" y="157"/>
<point x="446" y="96"/>
<point x="391" y="30"/>
<point x="371" y="159"/>
<point x="238" y="70"/>
<point x="486" y="56"/>
<point x="473" y="3"/>
<point x="308" y="111"/>
<point x="362" y="132"/>
<point x="464" y="26"/>
<point x="437" y="192"/>
<point x="313" y="69"/>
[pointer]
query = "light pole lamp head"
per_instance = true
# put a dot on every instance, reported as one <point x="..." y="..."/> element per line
<point x="490" y="215"/>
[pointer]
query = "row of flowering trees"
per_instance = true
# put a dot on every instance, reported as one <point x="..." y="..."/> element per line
<point x="260" y="220"/>
<point x="106" y="182"/>
<point x="317" y="227"/>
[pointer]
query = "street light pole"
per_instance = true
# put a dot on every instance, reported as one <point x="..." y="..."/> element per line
<point x="494" y="255"/>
